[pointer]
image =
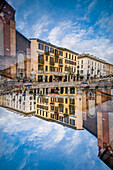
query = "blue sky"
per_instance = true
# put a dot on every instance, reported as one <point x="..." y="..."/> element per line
<point x="84" y="26"/>
<point x="32" y="143"/>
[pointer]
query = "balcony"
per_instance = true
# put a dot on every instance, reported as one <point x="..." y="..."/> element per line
<point x="47" y="53"/>
<point x="41" y="61"/>
<point x="57" y="56"/>
<point x="60" y="64"/>
<point x="51" y="104"/>
<point x="72" y="102"/>
<point x="52" y="63"/>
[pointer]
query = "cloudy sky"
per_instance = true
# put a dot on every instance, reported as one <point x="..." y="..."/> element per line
<point x="84" y="26"/>
<point x="32" y="143"/>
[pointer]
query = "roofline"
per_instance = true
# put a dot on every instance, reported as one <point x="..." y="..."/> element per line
<point x="60" y="48"/>
<point x="65" y="49"/>
<point x="23" y="36"/>
<point x="94" y="58"/>
<point x="9" y="5"/>
<point x="41" y="41"/>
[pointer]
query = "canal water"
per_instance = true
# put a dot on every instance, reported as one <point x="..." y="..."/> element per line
<point x="34" y="143"/>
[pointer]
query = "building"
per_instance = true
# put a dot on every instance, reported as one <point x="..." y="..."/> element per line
<point x="21" y="100"/>
<point x="91" y="67"/>
<point x="109" y="69"/>
<point x="14" y="47"/>
<point x="61" y="105"/>
<point x="51" y="63"/>
<point x="7" y="37"/>
<point x="105" y="133"/>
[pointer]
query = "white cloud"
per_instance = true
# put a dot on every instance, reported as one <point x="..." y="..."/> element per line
<point x="39" y="27"/>
<point x="21" y="25"/>
<point x="78" y="39"/>
<point x="88" y="10"/>
<point x="91" y="6"/>
<point x="26" y="14"/>
<point x="106" y="23"/>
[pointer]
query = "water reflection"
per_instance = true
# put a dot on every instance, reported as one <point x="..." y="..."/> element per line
<point x="90" y="109"/>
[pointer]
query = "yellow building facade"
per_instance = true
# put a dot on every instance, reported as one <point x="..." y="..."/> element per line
<point x="61" y="106"/>
<point x="50" y="63"/>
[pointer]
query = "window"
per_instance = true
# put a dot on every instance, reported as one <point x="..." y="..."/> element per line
<point x="56" y="99"/>
<point x="66" y="101"/>
<point x="72" y="90"/>
<point x="66" y="119"/>
<point x="61" y="119"/>
<point x="46" y="114"/>
<point x="46" y="58"/>
<point x="52" y="99"/>
<point x="60" y="70"/>
<point x="56" y="52"/>
<point x="46" y="68"/>
<point x="60" y="53"/>
<point x="66" y="111"/>
<point x="46" y="49"/>
<point x="51" y="50"/>
<point x="75" y="58"/>
<point x="66" y="90"/>
<point x="81" y="66"/>
<point x="65" y="61"/>
<point x="74" y="69"/>
<point x="51" y="59"/>
<point x="81" y="61"/>
<point x="30" y="99"/>
<point x="72" y="122"/>
<point x="66" y="68"/>
<point x="56" y="60"/>
<point x="72" y="57"/>
<point x="40" y="67"/>
<point x="40" y="46"/>
<point x="46" y="108"/>
<point x="69" y="56"/>
<point x="52" y="107"/>
<point x="66" y="55"/>
<point x="56" y="69"/>
<point x="52" y="116"/>
<point x="40" y="78"/>
<point x="81" y="71"/>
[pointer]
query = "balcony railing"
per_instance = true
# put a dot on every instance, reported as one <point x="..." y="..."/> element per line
<point x="60" y="64"/>
<point x="57" y="56"/>
<point x="47" y="53"/>
<point x="52" y="63"/>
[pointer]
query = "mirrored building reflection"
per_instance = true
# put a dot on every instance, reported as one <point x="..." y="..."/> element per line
<point x="74" y="107"/>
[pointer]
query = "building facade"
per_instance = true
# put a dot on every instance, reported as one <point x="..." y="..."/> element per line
<point x="109" y="69"/>
<point x="62" y="105"/>
<point x="50" y="63"/>
<point x="91" y="67"/>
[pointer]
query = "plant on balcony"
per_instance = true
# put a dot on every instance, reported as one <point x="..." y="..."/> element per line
<point x="47" y="53"/>
<point x="66" y="115"/>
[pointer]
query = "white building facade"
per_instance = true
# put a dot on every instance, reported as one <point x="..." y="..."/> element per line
<point x="91" y="67"/>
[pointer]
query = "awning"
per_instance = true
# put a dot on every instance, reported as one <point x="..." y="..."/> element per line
<point x="59" y="75"/>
